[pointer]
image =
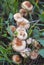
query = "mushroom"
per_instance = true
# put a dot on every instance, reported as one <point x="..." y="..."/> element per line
<point x="34" y="54"/>
<point x="17" y="17"/>
<point x="36" y="44"/>
<point x="27" y="5"/>
<point x="13" y="28"/>
<point x="23" y="12"/>
<point x="22" y="34"/>
<point x="18" y="44"/>
<point x="29" y="41"/>
<point x="16" y="59"/>
<point x="25" y="53"/>
<point x="23" y="23"/>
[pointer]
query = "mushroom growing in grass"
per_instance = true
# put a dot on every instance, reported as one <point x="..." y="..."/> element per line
<point x="36" y="44"/>
<point x="25" y="53"/>
<point x="17" y="17"/>
<point x="27" y="5"/>
<point x="34" y="54"/>
<point x="23" y="12"/>
<point x="13" y="28"/>
<point x="23" y="23"/>
<point x="16" y="59"/>
<point x="29" y="41"/>
<point x="22" y="34"/>
<point x="18" y="44"/>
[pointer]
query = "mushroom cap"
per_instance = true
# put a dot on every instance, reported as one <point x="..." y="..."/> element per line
<point x="23" y="12"/>
<point x="27" y="5"/>
<point x="17" y="16"/>
<point x="18" y="45"/>
<point x="13" y="28"/>
<point x="34" y="54"/>
<point x="29" y="41"/>
<point x="23" y="23"/>
<point x="25" y="53"/>
<point x="16" y="59"/>
<point x="22" y="34"/>
<point x="36" y="44"/>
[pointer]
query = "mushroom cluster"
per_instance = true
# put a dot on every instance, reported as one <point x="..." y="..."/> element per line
<point x="16" y="59"/>
<point x="27" y="5"/>
<point x="21" y="41"/>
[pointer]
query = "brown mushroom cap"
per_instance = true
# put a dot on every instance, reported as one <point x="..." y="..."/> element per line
<point x="18" y="44"/>
<point x="23" y="12"/>
<point x="36" y="44"/>
<point x="16" y="59"/>
<point x="13" y="28"/>
<point x="34" y="54"/>
<point x="27" y="5"/>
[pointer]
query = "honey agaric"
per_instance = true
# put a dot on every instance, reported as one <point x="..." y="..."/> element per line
<point x="16" y="59"/>
<point x="22" y="34"/>
<point x="27" y="5"/>
<point x="34" y="54"/>
<point x="25" y="53"/>
<point x="13" y="28"/>
<point x="23" y="12"/>
<point x="17" y="16"/>
<point x="18" y="44"/>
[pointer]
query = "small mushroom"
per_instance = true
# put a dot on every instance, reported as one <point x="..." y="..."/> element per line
<point x="22" y="34"/>
<point x="36" y="44"/>
<point x="16" y="59"/>
<point x="27" y="5"/>
<point x="18" y="44"/>
<point x="17" y="17"/>
<point x="23" y="12"/>
<point x="34" y="54"/>
<point x="23" y="23"/>
<point x="25" y="53"/>
<point x="13" y="28"/>
<point x="29" y="41"/>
